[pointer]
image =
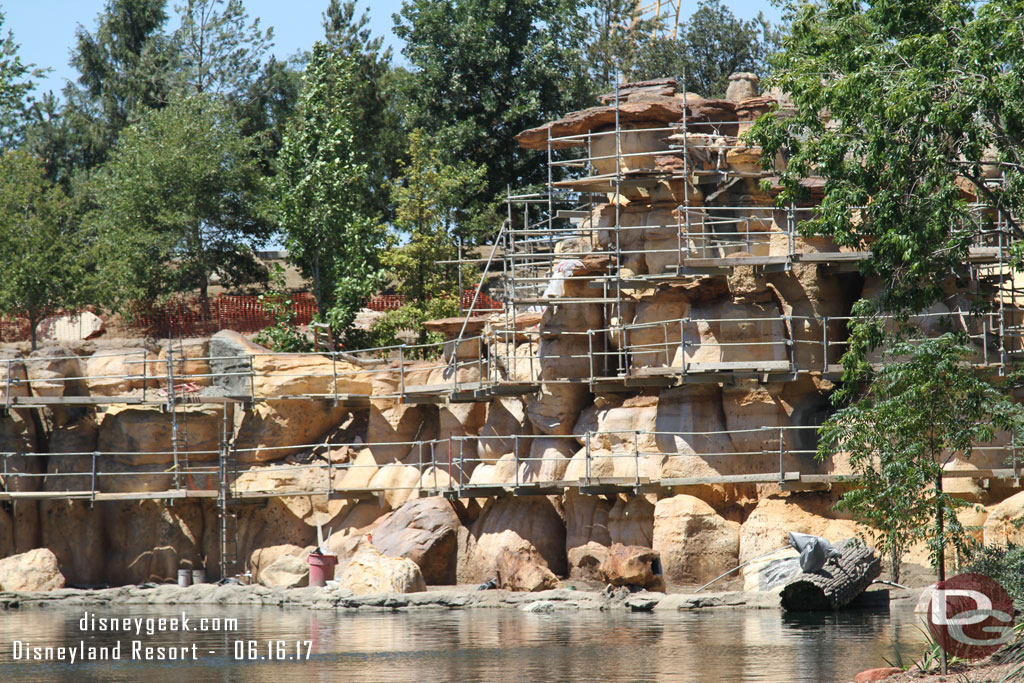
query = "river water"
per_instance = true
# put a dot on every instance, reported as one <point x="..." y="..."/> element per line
<point x="461" y="645"/>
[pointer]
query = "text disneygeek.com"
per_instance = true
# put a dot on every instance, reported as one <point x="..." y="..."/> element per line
<point x="146" y="631"/>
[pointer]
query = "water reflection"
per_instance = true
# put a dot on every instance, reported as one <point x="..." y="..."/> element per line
<point x="482" y="645"/>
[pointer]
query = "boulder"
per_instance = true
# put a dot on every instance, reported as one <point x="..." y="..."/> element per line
<point x="424" y="530"/>
<point x="12" y="375"/>
<point x="35" y="570"/>
<point x="586" y="520"/>
<point x="513" y="523"/>
<point x="1003" y="524"/>
<point x="287" y="571"/>
<point x="70" y="327"/>
<point x="524" y="570"/>
<point x="392" y="423"/>
<point x="631" y="565"/>
<point x="548" y="459"/>
<point x="115" y="372"/>
<point x="261" y="559"/>
<point x="877" y="674"/>
<point x="74" y="532"/>
<point x="695" y="543"/>
<point x="191" y="363"/>
<point x="369" y="572"/>
<point x="263" y="527"/>
<point x="585" y="561"/>
<point x="397" y="483"/>
<point x="54" y="371"/>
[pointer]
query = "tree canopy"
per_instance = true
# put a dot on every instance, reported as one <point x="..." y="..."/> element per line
<point x="321" y="173"/>
<point x="486" y="70"/>
<point x="908" y="111"/>
<point x="925" y="406"/>
<point x="178" y="201"/>
<point x="42" y="249"/>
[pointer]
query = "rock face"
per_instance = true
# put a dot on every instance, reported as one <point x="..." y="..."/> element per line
<point x="631" y="565"/>
<point x="425" y="531"/>
<point x="369" y="572"/>
<point x="531" y="525"/>
<point x="36" y="570"/>
<point x="694" y="542"/>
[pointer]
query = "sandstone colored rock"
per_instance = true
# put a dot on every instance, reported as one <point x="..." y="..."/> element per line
<point x="116" y="372"/>
<point x="768" y="525"/>
<point x="695" y="543"/>
<point x="524" y="570"/>
<point x="144" y="435"/>
<point x="273" y="524"/>
<point x="54" y="371"/>
<point x="586" y="520"/>
<point x="189" y="363"/>
<point x="232" y="356"/>
<point x="513" y="523"/>
<point x="631" y="521"/>
<point x="35" y="570"/>
<point x="287" y="571"/>
<point x="547" y="459"/>
<point x="877" y="674"/>
<point x="1003" y="524"/>
<point x="424" y="530"/>
<point x="585" y="561"/>
<point x="74" y="532"/>
<point x="631" y="565"/>
<point x="369" y="572"/>
<point x="742" y="86"/>
<point x="270" y="430"/>
<point x="506" y="417"/>
<point x="70" y="327"/>
<point x="397" y="483"/>
<point x="13" y="376"/>
<point x="149" y="541"/>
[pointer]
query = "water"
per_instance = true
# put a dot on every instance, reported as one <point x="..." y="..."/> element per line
<point x="475" y="645"/>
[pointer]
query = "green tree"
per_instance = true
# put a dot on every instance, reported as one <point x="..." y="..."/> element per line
<point x="268" y="104"/>
<point x="321" y="174"/>
<point x="124" y="69"/>
<point x="15" y="87"/>
<point x="376" y="118"/>
<point x="426" y="198"/>
<point x="618" y="41"/>
<point x="484" y="70"/>
<point x="220" y="51"/>
<point x="905" y="109"/>
<point x="712" y="45"/>
<point x="924" y="407"/>
<point x="178" y="202"/>
<point x="41" y="247"/>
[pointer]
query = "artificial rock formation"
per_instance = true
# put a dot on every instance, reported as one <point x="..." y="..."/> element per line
<point x="651" y="401"/>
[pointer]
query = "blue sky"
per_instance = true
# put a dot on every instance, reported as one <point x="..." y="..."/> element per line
<point x="45" y="29"/>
